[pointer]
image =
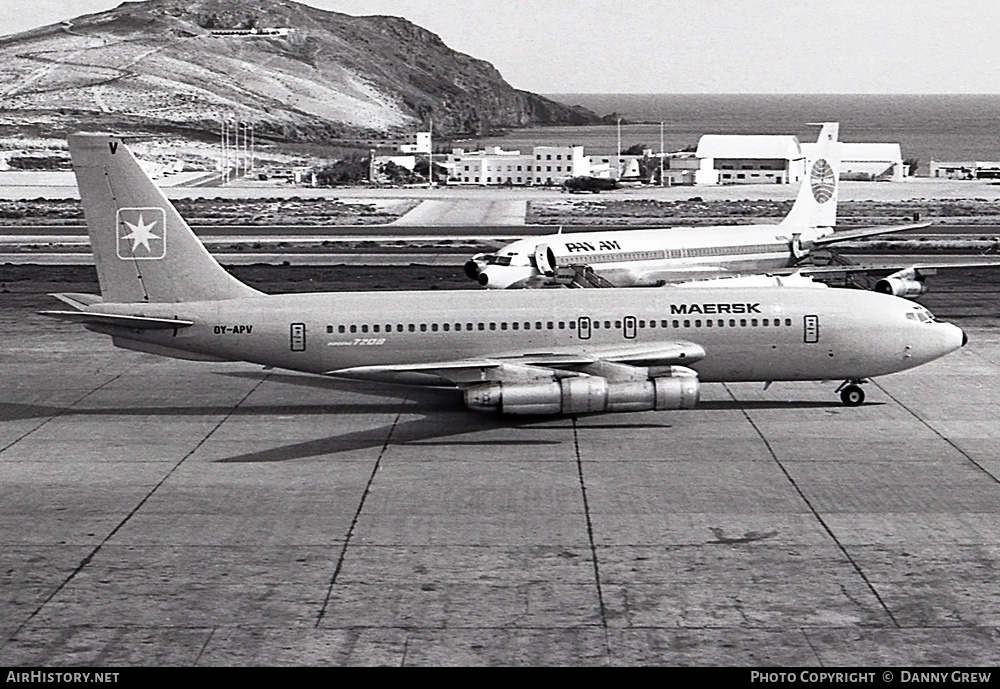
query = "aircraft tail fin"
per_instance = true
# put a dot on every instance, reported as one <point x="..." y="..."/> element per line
<point x="816" y="204"/>
<point x="143" y="249"/>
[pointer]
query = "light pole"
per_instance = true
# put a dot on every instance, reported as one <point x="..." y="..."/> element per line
<point x="225" y="150"/>
<point x="618" y="151"/>
<point x="661" y="154"/>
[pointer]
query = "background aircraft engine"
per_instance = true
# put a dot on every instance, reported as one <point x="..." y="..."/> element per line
<point x="905" y="283"/>
<point x="579" y="395"/>
<point x="472" y="269"/>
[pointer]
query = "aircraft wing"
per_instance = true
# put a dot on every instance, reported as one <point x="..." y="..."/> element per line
<point x="920" y="270"/>
<point x="861" y="233"/>
<point x="527" y="366"/>
<point x="902" y="280"/>
<point x="584" y="276"/>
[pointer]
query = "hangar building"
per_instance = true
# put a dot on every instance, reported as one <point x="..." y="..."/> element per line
<point x="867" y="162"/>
<point x="753" y="159"/>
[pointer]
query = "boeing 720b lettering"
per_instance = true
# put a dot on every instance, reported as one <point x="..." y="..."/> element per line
<point x="516" y="352"/>
<point x="651" y="257"/>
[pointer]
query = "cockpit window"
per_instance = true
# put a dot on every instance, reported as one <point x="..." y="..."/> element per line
<point x="494" y="260"/>
<point x="920" y="315"/>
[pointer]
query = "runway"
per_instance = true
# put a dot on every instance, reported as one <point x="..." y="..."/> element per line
<point x="157" y="512"/>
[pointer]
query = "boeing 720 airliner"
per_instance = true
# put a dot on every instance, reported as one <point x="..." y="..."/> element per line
<point x="650" y="257"/>
<point x="515" y="352"/>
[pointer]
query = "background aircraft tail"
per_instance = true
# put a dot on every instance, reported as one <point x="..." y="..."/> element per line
<point x="816" y="204"/>
<point x="143" y="249"/>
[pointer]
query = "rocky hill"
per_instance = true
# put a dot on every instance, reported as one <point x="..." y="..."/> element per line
<point x="157" y="66"/>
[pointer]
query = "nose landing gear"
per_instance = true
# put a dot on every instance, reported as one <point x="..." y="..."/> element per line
<point x="851" y="393"/>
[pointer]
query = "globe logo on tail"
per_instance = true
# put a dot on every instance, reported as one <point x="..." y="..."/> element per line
<point x="823" y="181"/>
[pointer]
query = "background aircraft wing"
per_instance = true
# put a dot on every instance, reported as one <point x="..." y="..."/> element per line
<point x="526" y="366"/>
<point x="920" y="270"/>
<point x="900" y="279"/>
<point x="862" y="232"/>
<point x="582" y="275"/>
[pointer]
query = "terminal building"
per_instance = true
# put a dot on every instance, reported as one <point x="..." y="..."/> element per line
<point x="492" y="166"/>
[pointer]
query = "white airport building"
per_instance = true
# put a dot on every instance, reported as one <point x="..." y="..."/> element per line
<point x="781" y="159"/>
<point x="719" y="159"/>
<point x="965" y="169"/>
<point x="753" y="159"/>
<point x="419" y="142"/>
<point x="492" y="166"/>
<point x="867" y="162"/>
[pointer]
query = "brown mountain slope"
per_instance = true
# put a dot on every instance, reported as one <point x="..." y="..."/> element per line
<point x="156" y="66"/>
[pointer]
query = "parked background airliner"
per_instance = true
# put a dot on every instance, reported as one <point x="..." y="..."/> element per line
<point x="517" y="352"/>
<point x="651" y="257"/>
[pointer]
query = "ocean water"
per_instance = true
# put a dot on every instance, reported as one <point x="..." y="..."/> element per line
<point x="938" y="127"/>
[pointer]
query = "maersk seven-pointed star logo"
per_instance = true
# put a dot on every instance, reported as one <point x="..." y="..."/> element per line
<point x="142" y="233"/>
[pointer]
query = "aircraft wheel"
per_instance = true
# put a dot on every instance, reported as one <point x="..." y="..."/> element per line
<point x="852" y="396"/>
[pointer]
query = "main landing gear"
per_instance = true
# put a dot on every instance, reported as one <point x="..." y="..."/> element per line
<point x="851" y="393"/>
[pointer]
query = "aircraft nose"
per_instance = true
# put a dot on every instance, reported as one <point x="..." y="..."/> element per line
<point x="484" y="279"/>
<point x="956" y="337"/>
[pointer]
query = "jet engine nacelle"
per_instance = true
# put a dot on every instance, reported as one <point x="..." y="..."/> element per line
<point x="582" y="394"/>
<point x="473" y="268"/>
<point x="905" y="283"/>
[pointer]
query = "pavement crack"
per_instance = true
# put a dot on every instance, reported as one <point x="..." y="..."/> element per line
<point x="201" y="651"/>
<point x="938" y="433"/>
<point x="590" y="537"/>
<point x="357" y="512"/>
<point x="90" y="556"/>
<point x="60" y="413"/>
<point x="815" y="512"/>
<point x="812" y="647"/>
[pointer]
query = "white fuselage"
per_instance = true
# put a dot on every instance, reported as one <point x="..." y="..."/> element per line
<point x="748" y="334"/>
<point x="647" y="257"/>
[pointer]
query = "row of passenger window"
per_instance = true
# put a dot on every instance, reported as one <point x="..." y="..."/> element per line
<point x="614" y="256"/>
<point x="560" y="325"/>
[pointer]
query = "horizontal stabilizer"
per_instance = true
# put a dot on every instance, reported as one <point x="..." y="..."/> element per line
<point x="78" y="301"/>
<point x="848" y="235"/>
<point x="133" y="322"/>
